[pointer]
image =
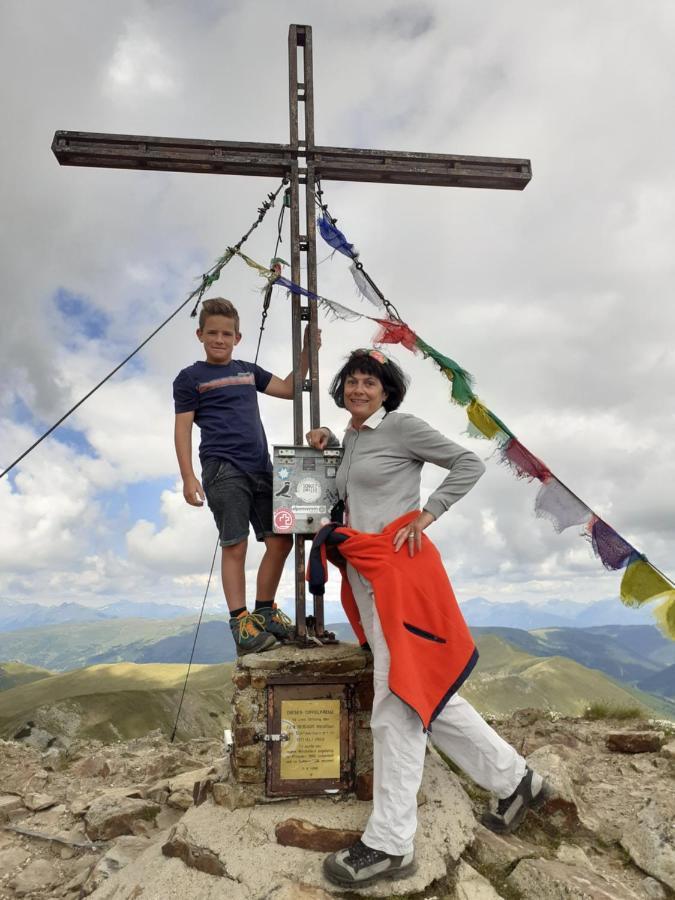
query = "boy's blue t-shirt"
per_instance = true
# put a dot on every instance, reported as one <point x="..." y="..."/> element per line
<point x="225" y="403"/>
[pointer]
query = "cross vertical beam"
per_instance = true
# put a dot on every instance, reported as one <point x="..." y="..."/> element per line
<point x="301" y="100"/>
<point x="302" y="162"/>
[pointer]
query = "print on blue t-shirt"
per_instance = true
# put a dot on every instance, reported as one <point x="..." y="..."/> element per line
<point x="225" y="404"/>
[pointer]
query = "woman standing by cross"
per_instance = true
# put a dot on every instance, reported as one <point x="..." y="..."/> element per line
<point x="400" y="601"/>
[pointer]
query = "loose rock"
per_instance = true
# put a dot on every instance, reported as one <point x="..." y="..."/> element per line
<point x="300" y="833"/>
<point x="635" y="741"/>
<point x="37" y="802"/>
<point x="490" y="849"/>
<point x="545" y="879"/>
<point x="108" y="817"/>
<point x="38" y="875"/>
<point x="8" y="804"/>
<point x="470" y="885"/>
<point x="650" y="841"/>
<point x="181" y="845"/>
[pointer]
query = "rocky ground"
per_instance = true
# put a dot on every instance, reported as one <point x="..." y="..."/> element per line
<point x="118" y="821"/>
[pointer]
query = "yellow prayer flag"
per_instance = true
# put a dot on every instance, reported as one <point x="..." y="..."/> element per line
<point x="268" y="273"/>
<point x="481" y="419"/>
<point x="665" y="615"/>
<point x="641" y="583"/>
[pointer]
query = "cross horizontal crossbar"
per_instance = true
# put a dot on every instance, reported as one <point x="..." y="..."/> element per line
<point x="128" y="151"/>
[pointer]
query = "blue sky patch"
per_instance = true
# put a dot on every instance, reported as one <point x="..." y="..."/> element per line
<point x="71" y="437"/>
<point x="84" y="318"/>
<point x="123" y="507"/>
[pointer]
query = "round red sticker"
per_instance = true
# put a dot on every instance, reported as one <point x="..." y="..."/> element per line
<point x="284" y="520"/>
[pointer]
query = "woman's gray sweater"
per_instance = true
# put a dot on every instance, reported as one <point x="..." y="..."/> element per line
<point x="379" y="477"/>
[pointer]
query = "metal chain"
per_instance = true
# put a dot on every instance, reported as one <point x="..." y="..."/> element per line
<point x="268" y="290"/>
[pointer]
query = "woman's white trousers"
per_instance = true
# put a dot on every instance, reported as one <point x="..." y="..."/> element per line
<point x="399" y="744"/>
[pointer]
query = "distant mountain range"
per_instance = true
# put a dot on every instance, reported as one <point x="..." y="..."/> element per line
<point x="14" y="615"/>
<point x="564" y="613"/>
<point x="478" y="612"/>
<point x="637" y="656"/>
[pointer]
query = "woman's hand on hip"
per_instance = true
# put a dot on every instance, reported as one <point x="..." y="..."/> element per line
<point x="411" y="534"/>
<point x="318" y="438"/>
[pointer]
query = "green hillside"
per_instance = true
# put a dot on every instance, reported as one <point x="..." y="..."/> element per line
<point x="119" y="701"/>
<point x="507" y="679"/>
<point x="629" y="653"/>
<point x="13" y="674"/>
<point x="78" y="644"/>
<point x="115" y="702"/>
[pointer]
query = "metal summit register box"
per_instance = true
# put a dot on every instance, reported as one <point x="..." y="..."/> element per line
<point x="303" y="488"/>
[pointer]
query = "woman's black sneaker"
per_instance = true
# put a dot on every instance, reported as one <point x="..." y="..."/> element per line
<point x="531" y="793"/>
<point x="360" y="865"/>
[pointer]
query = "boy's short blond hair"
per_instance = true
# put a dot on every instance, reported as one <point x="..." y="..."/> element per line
<point x="218" y="306"/>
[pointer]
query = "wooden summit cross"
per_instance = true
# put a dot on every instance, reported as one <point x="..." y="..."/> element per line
<point x="303" y="163"/>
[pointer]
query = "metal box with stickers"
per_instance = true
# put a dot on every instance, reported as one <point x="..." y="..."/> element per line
<point x="303" y="489"/>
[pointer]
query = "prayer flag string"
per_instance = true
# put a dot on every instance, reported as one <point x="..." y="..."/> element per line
<point x="642" y="582"/>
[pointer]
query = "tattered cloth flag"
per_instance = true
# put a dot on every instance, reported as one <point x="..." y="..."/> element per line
<point x="461" y="380"/>
<point x="523" y="463"/>
<point x="338" y="311"/>
<point x="641" y="582"/>
<point x="365" y="287"/>
<point x="614" y="551"/>
<point x="394" y="332"/>
<point x="485" y="422"/>
<point x="334" y="237"/>
<point x="558" y="504"/>
<point x="665" y="614"/>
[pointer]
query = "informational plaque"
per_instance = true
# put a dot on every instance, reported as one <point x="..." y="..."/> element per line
<point x="311" y="727"/>
<point x="313" y="746"/>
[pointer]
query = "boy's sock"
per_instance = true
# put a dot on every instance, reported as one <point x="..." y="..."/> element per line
<point x="237" y="612"/>
<point x="264" y="604"/>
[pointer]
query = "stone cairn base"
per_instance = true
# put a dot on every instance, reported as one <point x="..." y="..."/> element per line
<point x="246" y="781"/>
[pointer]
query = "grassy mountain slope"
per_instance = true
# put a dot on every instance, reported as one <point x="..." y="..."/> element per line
<point x="629" y="653"/>
<point x="78" y="644"/>
<point x="119" y="701"/>
<point x="113" y="702"/>
<point x="507" y="679"/>
<point x="13" y="674"/>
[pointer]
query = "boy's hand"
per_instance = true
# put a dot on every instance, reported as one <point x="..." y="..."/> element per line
<point x="193" y="492"/>
<point x="318" y="438"/>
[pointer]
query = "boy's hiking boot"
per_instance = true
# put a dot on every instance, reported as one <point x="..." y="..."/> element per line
<point x="249" y="633"/>
<point x="276" y="622"/>
<point x="360" y="865"/>
<point x="531" y="793"/>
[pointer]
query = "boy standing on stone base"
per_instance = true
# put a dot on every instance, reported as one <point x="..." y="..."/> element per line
<point x="220" y="395"/>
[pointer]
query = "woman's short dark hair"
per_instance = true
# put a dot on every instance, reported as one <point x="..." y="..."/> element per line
<point x="372" y="362"/>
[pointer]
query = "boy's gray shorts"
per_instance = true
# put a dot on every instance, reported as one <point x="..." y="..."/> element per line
<point x="236" y="498"/>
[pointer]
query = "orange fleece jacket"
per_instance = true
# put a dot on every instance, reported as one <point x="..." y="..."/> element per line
<point x="432" y="651"/>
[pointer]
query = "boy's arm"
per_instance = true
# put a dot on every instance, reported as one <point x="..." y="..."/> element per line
<point x="192" y="488"/>
<point x="283" y="387"/>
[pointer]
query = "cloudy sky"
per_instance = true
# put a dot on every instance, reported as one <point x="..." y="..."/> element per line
<point x="558" y="299"/>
